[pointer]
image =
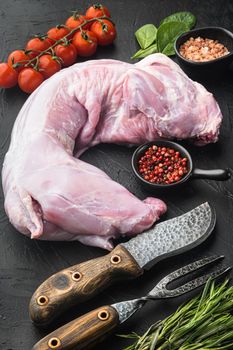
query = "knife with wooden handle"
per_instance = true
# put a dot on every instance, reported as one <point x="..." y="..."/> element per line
<point x="127" y="260"/>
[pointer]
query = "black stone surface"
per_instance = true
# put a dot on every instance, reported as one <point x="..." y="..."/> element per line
<point x="25" y="263"/>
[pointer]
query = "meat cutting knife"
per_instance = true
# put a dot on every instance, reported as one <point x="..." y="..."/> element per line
<point x="127" y="260"/>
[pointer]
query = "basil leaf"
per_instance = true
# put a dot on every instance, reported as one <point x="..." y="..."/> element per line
<point x="146" y="35"/>
<point x="167" y="35"/>
<point x="143" y="53"/>
<point x="169" y="50"/>
<point x="185" y="17"/>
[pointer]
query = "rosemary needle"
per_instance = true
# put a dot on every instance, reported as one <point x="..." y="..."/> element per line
<point x="203" y="323"/>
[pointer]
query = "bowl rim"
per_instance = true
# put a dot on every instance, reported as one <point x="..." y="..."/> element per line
<point x="197" y="63"/>
<point x="169" y="143"/>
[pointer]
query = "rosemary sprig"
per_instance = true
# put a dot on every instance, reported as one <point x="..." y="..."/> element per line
<point x="203" y="323"/>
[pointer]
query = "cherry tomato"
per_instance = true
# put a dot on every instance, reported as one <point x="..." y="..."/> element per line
<point x="8" y="76"/>
<point x="67" y="53"/>
<point x="85" y="43"/>
<point x="29" y="79"/>
<point x="75" y="21"/>
<point x="37" y="45"/>
<point x="18" y="56"/>
<point x="97" y="10"/>
<point x="105" y="32"/>
<point x="48" y="65"/>
<point x="57" y="33"/>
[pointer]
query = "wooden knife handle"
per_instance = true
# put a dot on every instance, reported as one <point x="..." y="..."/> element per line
<point x="80" y="282"/>
<point x="82" y="333"/>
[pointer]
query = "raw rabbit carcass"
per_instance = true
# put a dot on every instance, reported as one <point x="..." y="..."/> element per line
<point x="49" y="193"/>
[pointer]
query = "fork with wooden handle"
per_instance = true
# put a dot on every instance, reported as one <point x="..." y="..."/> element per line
<point x="91" y="328"/>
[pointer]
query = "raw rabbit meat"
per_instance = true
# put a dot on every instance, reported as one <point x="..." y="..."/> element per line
<point x="52" y="195"/>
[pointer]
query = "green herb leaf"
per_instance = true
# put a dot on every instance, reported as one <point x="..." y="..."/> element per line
<point x="146" y="35"/>
<point x="143" y="53"/>
<point x="167" y="35"/>
<point x="169" y="49"/>
<point x="185" y="17"/>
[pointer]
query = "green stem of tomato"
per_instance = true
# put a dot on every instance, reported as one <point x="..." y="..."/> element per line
<point x="66" y="37"/>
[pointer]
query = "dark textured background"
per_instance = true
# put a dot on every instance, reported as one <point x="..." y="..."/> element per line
<point x="24" y="263"/>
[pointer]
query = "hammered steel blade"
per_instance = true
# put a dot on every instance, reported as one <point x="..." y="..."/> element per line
<point x="173" y="236"/>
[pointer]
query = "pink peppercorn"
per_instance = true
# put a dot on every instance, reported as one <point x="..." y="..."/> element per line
<point x="162" y="165"/>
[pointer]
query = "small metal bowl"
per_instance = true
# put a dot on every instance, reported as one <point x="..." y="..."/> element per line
<point x="214" y="66"/>
<point x="194" y="173"/>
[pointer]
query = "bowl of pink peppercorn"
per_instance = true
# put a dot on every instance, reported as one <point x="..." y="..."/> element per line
<point x="205" y="50"/>
<point x="163" y="164"/>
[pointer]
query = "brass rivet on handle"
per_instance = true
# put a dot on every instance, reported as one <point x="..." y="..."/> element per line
<point x="103" y="315"/>
<point x="42" y="300"/>
<point x="76" y="276"/>
<point x="54" y="343"/>
<point x="115" y="259"/>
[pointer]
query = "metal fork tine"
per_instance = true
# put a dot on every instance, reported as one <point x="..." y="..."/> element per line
<point x="161" y="290"/>
<point x="185" y="270"/>
<point x="197" y="282"/>
<point x="126" y="309"/>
